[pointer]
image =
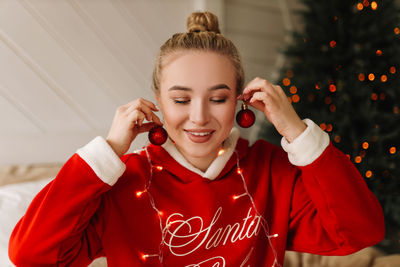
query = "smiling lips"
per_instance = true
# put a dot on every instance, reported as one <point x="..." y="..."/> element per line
<point x="199" y="136"/>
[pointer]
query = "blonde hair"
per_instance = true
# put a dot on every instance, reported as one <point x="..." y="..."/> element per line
<point x="202" y="34"/>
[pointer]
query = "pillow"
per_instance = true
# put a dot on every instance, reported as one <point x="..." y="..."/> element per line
<point x="14" y="201"/>
<point x="18" y="173"/>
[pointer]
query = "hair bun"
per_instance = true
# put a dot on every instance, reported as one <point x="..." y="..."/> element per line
<point x="202" y="21"/>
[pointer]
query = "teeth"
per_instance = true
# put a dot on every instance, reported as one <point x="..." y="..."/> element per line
<point x="200" y="134"/>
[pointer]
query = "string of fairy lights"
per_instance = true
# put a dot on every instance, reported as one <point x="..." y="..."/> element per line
<point x="160" y="214"/>
<point x="294" y="96"/>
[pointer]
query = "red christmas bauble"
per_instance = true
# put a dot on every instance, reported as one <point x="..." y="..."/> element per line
<point x="245" y="117"/>
<point x="158" y="135"/>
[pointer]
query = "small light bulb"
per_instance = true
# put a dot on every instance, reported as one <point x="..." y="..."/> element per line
<point x="159" y="168"/>
<point x="286" y="81"/>
<point x="371" y="77"/>
<point x="365" y="145"/>
<point x="139" y="193"/>
<point x="145" y="256"/>
<point x="239" y="196"/>
<point x="239" y="171"/>
<point x="374" y="5"/>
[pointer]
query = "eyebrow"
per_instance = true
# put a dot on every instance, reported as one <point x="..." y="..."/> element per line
<point x="212" y="88"/>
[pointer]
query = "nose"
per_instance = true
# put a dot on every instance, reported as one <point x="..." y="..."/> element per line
<point x="199" y="113"/>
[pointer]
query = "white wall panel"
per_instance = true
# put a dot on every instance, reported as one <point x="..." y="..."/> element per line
<point x="255" y="47"/>
<point x="255" y="20"/>
<point x="93" y="51"/>
<point x="15" y="118"/>
<point x="53" y="66"/>
<point x="162" y="18"/>
<point x="25" y="84"/>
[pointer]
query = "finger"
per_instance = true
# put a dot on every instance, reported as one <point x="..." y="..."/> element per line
<point x="156" y="119"/>
<point x="140" y="101"/>
<point x="133" y="102"/>
<point x="265" y="97"/>
<point x="258" y="96"/>
<point x="281" y="92"/>
<point x="146" y="127"/>
<point x="148" y="103"/>
<point x="266" y="100"/>
<point x="136" y="117"/>
<point x="259" y="100"/>
<point x="256" y="85"/>
<point x="150" y="116"/>
<point x="249" y="93"/>
<point x="256" y="80"/>
<point x="143" y="108"/>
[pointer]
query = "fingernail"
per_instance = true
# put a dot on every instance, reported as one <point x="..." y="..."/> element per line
<point x="157" y="107"/>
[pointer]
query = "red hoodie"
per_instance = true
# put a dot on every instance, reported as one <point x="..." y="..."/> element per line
<point x="155" y="209"/>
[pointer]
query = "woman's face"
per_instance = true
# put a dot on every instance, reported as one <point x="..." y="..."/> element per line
<point x="198" y="98"/>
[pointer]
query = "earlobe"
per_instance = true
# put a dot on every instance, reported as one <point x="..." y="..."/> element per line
<point x="157" y="96"/>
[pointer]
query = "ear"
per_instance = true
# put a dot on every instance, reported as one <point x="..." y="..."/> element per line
<point x="158" y="99"/>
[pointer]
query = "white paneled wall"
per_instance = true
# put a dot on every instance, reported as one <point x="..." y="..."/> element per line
<point x="259" y="28"/>
<point x="66" y="65"/>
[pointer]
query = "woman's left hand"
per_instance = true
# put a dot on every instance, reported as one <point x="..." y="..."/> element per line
<point x="273" y="102"/>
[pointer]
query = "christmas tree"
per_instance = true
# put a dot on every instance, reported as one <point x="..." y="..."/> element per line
<point x="343" y="72"/>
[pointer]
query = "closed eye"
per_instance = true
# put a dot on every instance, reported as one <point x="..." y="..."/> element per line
<point x="178" y="101"/>
<point x="223" y="100"/>
<point x="186" y="101"/>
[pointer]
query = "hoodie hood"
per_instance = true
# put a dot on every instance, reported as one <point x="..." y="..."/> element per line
<point x="169" y="157"/>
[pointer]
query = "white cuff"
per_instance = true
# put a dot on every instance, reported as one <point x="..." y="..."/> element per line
<point x="308" y="146"/>
<point x="103" y="160"/>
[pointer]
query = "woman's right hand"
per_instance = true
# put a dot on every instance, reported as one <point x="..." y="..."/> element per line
<point x="128" y="123"/>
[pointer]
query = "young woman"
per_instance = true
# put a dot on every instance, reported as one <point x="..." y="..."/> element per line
<point x="205" y="197"/>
